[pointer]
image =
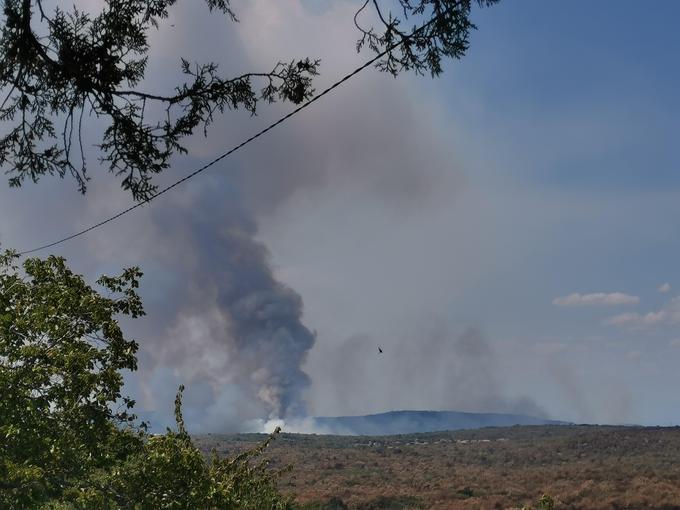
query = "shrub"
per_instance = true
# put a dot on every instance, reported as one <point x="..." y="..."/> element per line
<point x="68" y="437"/>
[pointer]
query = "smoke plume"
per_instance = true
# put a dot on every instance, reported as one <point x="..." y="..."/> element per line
<point x="436" y="369"/>
<point x="230" y="323"/>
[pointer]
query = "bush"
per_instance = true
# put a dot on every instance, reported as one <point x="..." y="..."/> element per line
<point x="62" y="444"/>
<point x="545" y="503"/>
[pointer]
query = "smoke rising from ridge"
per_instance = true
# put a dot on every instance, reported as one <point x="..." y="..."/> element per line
<point x="438" y="370"/>
<point x="231" y="323"/>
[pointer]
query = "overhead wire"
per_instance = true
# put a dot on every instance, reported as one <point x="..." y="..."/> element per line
<point x="219" y="158"/>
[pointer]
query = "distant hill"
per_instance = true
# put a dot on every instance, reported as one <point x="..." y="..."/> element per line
<point x="408" y="422"/>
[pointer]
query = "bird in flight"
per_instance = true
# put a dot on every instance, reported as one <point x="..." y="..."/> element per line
<point x="380" y="350"/>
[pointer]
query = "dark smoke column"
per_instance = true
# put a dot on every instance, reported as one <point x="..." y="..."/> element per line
<point x="253" y="336"/>
<point x="264" y="317"/>
<point x="266" y="327"/>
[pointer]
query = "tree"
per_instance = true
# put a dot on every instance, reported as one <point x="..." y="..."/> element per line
<point x="60" y="65"/>
<point x="68" y="437"/>
<point x="62" y="353"/>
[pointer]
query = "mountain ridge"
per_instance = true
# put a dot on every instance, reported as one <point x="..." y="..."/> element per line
<point x="414" y="421"/>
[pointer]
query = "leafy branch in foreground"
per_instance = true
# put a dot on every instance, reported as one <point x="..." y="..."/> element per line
<point x="68" y="437"/>
<point x="61" y="356"/>
<point x="59" y="66"/>
<point x="421" y="51"/>
<point x="170" y="472"/>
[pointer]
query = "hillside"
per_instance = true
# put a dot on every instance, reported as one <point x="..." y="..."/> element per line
<point x="583" y="467"/>
<point x="410" y="422"/>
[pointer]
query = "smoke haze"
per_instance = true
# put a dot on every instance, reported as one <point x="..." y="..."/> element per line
<point x="436" y="219"/>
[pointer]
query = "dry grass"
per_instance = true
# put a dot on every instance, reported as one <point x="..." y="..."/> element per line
<point x="580" y="466"/>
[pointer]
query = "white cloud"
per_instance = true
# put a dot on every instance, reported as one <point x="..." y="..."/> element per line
<point x="668" y="314"/>
<point x="596" y="299"/>
<point x="664" y="288"/>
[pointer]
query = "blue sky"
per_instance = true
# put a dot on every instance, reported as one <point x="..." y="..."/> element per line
<point x="544" y="68"/>
<point x="407" y="213"/>
<point x="580" y="101"/>
<point x="577" y="103"/>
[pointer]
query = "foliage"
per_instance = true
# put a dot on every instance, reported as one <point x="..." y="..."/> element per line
<point x="421" y="51"/>
<point x="169" y="472"/>
<point x="544" y="503"/>
<point x="67" y="438"/>
<point x="60" y="65"/>
<point x="61" y="354"/>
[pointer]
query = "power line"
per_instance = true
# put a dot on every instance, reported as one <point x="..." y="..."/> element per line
<point x="237" y="147"/>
